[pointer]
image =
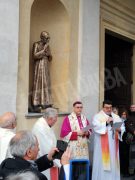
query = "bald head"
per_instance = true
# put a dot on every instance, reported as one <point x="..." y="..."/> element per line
<point x="44" y="34"/>
<point x="8" y="120"/>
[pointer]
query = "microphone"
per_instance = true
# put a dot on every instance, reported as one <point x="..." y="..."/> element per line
<point x="111" y="122"/>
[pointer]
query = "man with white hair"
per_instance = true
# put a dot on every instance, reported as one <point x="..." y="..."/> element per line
<point x="45" y="134"/>
<point x="7" y="131"/>
<point x="24" y="148"/>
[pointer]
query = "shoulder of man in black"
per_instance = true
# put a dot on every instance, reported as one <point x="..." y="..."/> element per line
<point x="14" y="165"/>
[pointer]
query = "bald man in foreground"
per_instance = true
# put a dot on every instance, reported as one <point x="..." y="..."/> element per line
<point x="7" y="131"/>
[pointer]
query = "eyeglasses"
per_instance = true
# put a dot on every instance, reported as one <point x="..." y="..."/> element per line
<point x="132" y="107"/>
<point x="79" y="107"/>
<point x="107" y="107"/>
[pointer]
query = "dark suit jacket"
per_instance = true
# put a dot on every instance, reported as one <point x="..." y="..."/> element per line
<point x="62" y="174"/>
<point x="14" y="165"/>
<point x="130" y="123"/>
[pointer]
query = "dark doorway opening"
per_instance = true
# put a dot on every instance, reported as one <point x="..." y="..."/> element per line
<point x="118" y="70"/>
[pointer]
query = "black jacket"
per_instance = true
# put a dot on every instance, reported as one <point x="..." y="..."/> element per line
<point x="130" y="124"/>
<point x="14" y="165"/>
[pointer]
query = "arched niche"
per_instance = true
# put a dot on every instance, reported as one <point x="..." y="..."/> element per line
<point x="52" y="16"/>
<point x="65" y="59"/>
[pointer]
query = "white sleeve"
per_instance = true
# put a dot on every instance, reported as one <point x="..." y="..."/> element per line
<point x="67" y="137"/>
<point x="45" y="143"/>
<point x="122" y="128"/>
<point x="98" y="125"/>
<point x="122" y="132"/>
<point x="57" y="163"/>
<point x="66" y="170"/>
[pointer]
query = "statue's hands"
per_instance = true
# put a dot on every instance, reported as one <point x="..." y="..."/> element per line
<point x="48" y="39"/>
<point x="46" y="45"/>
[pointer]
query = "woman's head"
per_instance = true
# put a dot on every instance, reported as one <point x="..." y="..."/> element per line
<point x="123" y="113"/>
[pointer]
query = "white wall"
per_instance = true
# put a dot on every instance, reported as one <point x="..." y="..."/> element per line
<point x="88" y="81"/>
<point x="9" y="24"/>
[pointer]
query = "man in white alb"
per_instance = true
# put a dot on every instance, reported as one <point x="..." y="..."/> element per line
<point x="106" y="144"/>
<point x="7" y="131"/>
<point x="45" y="134"/>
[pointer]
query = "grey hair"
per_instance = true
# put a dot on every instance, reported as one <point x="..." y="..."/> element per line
<point x="8" y="119"/>
<point x="21" y="142"/>
<point x="28" y="175"/>
<point x="50" y="113"/>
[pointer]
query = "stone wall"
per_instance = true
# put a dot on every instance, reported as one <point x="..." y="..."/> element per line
<point x="9" y="28"/>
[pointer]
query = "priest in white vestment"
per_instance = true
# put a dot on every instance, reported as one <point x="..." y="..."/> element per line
<point x="45" y="135"/>
<point x="7" y="131"/>
<point x="106" y="144"/>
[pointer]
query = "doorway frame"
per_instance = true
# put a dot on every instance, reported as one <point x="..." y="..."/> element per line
<point x="104" y="26"/>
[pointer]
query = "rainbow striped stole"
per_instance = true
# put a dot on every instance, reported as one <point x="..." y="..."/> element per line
<point x="106" y="152"/>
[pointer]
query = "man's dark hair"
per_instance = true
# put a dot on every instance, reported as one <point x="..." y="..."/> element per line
<point x="107" y="102"/>
<point x="76" y="102"/>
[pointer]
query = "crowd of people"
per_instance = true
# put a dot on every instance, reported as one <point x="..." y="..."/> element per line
<point x="26" y="154"/>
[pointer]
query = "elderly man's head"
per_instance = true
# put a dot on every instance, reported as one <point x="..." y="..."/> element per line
<point x="24" y="145"/>
<point x="50" y="116"/>
<point x="8" y="120"/>
<point x="132" y="108"/>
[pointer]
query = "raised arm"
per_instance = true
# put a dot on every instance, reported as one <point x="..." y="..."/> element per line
<point x="43" y="52"/>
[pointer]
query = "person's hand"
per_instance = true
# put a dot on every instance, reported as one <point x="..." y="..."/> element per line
<point x="51" y="153"/>
<point x="118" y="130"/>
<point x="66" y="156"/>
<point x="86" y="133"/>
<point x="110" y="119"/>
<point x="80" y="133"/>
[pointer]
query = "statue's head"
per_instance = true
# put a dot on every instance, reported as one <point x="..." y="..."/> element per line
<point x="44" y="36"/>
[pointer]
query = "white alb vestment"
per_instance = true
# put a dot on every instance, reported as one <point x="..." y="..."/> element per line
<point x="46" y="139"/>
<point x="5" y="137"/>
<point x="106" y="168"/>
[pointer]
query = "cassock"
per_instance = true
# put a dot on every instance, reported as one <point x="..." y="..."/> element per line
<point x="46" y="139"/>
<point x="78" y="144"/>
<point x="106" y="148"/>
<point x="5" y="137"/>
